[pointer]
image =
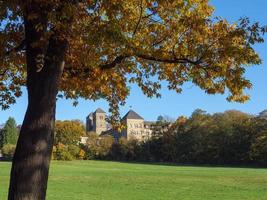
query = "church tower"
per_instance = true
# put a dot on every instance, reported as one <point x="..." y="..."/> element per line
<point x="89" y="122"/>
<point x="99" y="121"/>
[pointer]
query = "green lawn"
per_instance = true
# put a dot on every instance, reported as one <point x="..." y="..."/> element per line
<point x="99" y="180"/>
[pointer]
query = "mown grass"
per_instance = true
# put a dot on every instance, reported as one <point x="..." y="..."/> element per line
<point x="101" y="180"/>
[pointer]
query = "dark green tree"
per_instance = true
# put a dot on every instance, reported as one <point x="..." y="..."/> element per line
<point x="1" y="138"/>
<point x="9" y="134"/>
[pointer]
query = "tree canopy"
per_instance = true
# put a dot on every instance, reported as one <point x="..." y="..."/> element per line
<point x="68" y="132"/>
<point x="114" y="43"/>
<point x="96" y="49"/>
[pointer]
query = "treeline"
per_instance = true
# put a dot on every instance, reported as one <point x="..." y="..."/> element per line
<point x="229" y="138"/>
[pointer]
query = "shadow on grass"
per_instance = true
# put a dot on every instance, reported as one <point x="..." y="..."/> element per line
<point x="167" y="164"/>
<point x="188" y="164"/>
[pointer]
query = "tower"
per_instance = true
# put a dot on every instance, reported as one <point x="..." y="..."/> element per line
<point x="89" y="122"/>
<point x="99" y="121"/>
<point x="134" y="126"/>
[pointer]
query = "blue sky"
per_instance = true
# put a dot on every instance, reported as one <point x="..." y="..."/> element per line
<point x="173" y="104"/>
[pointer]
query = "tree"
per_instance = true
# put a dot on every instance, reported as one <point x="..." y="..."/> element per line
<point x="263" y="114"/>
<point x="161" y="125"/>
<point x="98" y="147"/>
<point x="9" y="133"/>
<point x="164" y="119"/>
<point x="1" y="138"/>
<point x="94" y="48"/>
<point x="67" y="138"/>
<point x="259" y="149"/>
<point x="68" y="132"/>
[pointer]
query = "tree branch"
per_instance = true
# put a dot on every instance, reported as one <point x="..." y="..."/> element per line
<point x="140" y="18"/>
<point x="17" y="48"/>
<point x="155" y="43"/>
<point x="113" y="64"/>
<point x="174" y="60"/>
<point x="169" y="60"/>
<point x="119" y="60"/>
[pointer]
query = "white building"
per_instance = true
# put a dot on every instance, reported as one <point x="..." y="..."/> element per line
<point x="136" y="127"/>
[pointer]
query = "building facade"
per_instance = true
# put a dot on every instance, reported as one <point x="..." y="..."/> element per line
<point x="96" y="122"/>
<point x="135" y="126"/>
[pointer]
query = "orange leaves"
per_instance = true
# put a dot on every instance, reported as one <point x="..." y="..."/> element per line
<point x="142" y="42"/>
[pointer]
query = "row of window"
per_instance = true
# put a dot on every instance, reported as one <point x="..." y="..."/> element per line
<point x="136" y="125"/>
<point x="140" y="132"/>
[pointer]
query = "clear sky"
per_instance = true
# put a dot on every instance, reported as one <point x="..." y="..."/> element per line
<point x="173" y="104"/>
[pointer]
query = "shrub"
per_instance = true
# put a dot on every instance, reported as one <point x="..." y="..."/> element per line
<point x="60" y="152"/>
<point x="74" y="151"/>
<point x="98" y="147"/>
<point x="64" y="155"/>
<point x="82" y="154"/>
<point x="89" y="155"/>
<point x="8" y="151"/>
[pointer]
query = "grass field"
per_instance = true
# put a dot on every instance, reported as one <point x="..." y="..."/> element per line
<point x="99" y="180"/>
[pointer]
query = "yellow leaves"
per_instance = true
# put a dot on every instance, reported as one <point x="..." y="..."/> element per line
<point x="238" y="98"/>
<point x="176" y="41"/>
<point x="81" y="154"/>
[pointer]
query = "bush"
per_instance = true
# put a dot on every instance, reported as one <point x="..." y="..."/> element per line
<point x="89" y="155"/>
<point x="74" y="151"/>
<point x="60" y="152"/>
<point x="98" y="148"/>
<point x="64" y="155"/>
<point x="8" y="151"/>
<point x="82" y="154"/>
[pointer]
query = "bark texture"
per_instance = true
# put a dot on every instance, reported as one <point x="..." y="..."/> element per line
<point x="45" y="63"/>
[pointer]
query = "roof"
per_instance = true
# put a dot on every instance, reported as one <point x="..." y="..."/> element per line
<point x="132" y="115"/>
<point x="99" y="110"/>
<point x="90" y="115"/>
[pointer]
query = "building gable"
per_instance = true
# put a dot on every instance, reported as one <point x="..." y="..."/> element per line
<point x="132" y="115"/>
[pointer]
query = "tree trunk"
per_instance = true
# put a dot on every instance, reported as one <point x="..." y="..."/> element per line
<point x="30" y="167"/>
